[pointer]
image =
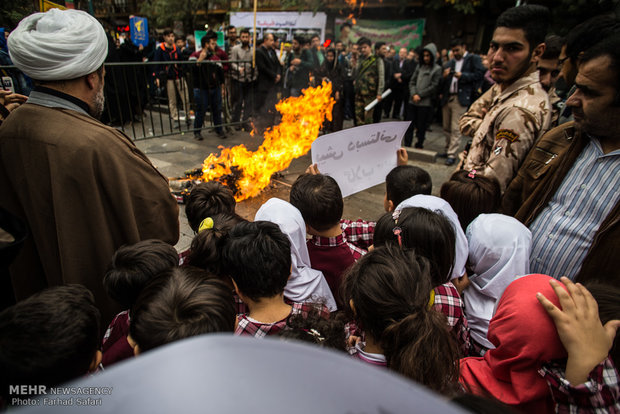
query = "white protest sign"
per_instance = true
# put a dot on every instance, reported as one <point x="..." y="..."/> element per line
<point x="359" y="158"/>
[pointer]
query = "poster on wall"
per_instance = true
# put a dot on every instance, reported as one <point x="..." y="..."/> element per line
<point x="284" y="25"/>
<point x="399" y="33"/>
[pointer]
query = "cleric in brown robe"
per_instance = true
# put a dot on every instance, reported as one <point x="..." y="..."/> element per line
<point x="83" y="188"/>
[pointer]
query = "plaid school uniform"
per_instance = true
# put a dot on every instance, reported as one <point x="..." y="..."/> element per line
<point x="599" y="394"/>
<point x="333" y="256"/>
<point x="183" y="256"/>
<point x="359" y="233"/>
<point x="114" y="346"/>
<point x="247" y="326"/>
<point x="448" y="301"/>
<point x="338" y="241"/>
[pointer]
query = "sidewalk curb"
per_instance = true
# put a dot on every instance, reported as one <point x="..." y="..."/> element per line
<point x="416" y="154"/>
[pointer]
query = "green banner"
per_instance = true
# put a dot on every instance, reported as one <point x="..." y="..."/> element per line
<point x="198" y="34"/>
<point x="397" y="33"/>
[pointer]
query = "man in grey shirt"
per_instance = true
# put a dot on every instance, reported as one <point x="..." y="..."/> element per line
<point x="243" y="77"/>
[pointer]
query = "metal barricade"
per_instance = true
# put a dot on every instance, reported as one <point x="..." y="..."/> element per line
<point x="137" y="98"/>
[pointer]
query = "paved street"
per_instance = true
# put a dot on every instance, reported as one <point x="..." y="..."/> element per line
<point x="175" y="154"/>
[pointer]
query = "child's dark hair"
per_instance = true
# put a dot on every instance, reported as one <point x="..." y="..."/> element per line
<point x="470" y="195"/>
<point x="405" y="181"/>
<point x="133" y="266"/>
<point x="206" y="249"/>
<point x="49" y="338"/>
<point x="180" y="303"/>
<point x="314" y="328"/>
<point x="390" y="291"/>
<point x="206" y="200"/>
<point x="606" y="295"/>
<point x="258" y="257"/>
<point x="428" y="232"/>
<point x="319" y="199"/>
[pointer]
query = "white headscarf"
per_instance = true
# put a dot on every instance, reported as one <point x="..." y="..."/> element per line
<point x="499" y="252"/>
<point x="305" y="284"/>
<point x="58" y="45"/>
<point x="437" y="205"/>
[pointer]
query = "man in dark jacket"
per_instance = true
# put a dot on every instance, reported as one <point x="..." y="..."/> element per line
<point x="269" y="74"/>
<point x="566" y="191"/>
<point x="208" y="80"/>
<point x="423" y="88"/>
<point x="298" y="67"/>
<point x="402" y="69"/>
<point x="172" y="74"/>
<point x="460" y="77"/>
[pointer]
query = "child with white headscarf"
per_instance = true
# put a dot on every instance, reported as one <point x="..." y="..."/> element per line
<point x="499" y="252"/>
<point x="305" y="284"/>
<point x="437" y="204"/>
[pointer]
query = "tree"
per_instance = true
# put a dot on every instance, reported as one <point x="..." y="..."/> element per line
<point x="166" y="12"/>
<point x="12" y="11"/>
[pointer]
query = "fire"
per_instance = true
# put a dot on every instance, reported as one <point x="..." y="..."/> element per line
<point x="248" y="172"/>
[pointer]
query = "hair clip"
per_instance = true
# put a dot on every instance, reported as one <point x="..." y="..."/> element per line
<point x="472" y="174"/>
<point x="397" y="232"/>
<point x="432" y="301"/>
<point x="315" y="334"/>
<point x="205" y="224"/>
<point x="396" y="215"/>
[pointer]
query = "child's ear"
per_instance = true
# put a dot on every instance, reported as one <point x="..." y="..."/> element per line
<point x="95" y="362"/>
<point x="388" y="205"/>
<point x="236" y="287"/>
<point x="134" y="345"/>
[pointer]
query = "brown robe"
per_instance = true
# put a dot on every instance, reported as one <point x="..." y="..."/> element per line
<point x="85" y="190"/>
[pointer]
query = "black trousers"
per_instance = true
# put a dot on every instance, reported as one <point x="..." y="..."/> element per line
<point x="242" y="100"/>
<point x="419" y="115"/>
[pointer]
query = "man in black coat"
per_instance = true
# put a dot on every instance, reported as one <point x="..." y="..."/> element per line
<point x="461" y="75"/>
<point x="269" y="74"/>
<point x="402" y="70"/>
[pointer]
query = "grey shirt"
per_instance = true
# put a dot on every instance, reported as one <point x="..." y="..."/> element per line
<point x="248" y="74"/>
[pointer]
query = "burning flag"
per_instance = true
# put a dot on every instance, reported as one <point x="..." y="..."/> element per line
<point x="248" y="172"/>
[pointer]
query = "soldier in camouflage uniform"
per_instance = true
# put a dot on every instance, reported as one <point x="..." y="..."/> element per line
<point x="369" y="81"/>
<point x="507" y="120"/>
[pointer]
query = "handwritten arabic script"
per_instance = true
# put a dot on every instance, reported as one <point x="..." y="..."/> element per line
<point x="359" y="158"/>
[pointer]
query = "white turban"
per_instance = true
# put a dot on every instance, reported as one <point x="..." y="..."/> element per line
<point x="58" y="45"/>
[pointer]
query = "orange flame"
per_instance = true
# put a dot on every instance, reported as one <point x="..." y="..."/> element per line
<point x="302" y="118"/>
<point x="353" y="4"/>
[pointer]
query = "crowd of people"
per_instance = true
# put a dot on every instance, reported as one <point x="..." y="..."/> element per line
<point x="504" y="288"/>
<point x="236" y="92"/>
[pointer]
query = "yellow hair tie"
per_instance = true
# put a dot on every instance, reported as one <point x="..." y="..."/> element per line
<point x="205" y="224"/>
<point x="432" y="301"/>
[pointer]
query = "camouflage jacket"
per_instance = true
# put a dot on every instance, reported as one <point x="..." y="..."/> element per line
<point x="505" y="125"/>
<point x="369" y="76"/>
